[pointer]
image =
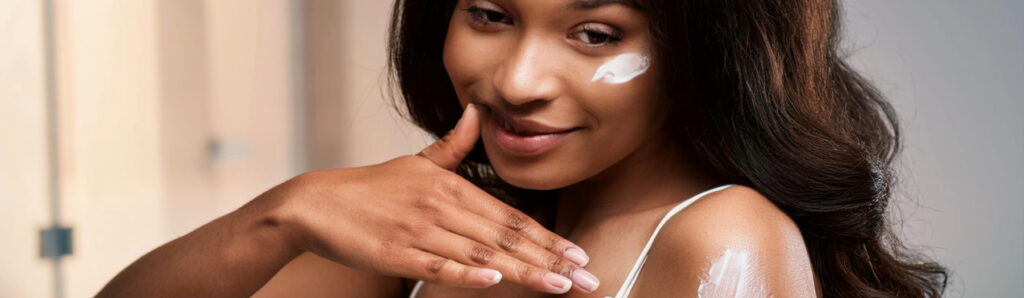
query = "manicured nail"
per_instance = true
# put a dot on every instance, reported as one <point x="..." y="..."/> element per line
<point x="559" y="283"/>
<point x="576" y="255"/>
<point x="490" y="275"/>
<point x="585" y="280"/>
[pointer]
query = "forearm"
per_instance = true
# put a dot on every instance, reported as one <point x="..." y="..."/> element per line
<point x="232" y="256"/>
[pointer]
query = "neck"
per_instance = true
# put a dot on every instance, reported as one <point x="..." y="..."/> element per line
<point x="650" y="178"/>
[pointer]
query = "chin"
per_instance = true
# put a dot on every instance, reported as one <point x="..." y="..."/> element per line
<point x="535" y="175"/>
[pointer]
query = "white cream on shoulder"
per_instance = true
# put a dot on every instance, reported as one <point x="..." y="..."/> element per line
<point x="734" y="274"/>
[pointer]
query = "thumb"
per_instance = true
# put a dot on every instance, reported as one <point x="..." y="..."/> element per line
<point x="449" y="151"/>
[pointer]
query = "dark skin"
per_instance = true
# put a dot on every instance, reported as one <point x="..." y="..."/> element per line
<point x="367" y="232"/>
<point x="410" y="217"/>
<point x="535" y="59"/>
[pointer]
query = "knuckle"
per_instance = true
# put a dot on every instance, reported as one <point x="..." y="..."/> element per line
<point x="523" y="271"/>
<point x="446" y="139"/>
<point x="464" y="277"/>
<point x="449" y="187"/>
<point x="556" y="264"/>
<point x="551" y="241"/>
<point x="509" y="240"/>
<point x="515" y="220"/>
<point x="429" y="203"/>
<point x="436" y="266"/>
<point x="442" y="148"/>
<point x="414" y="228"/>
<point x="481" y="255"/>
<point x="448" y="148"/>
<point x="435" y="148"/>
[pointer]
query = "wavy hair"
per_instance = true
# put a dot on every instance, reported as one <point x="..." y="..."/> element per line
<point x="759" y="93"/>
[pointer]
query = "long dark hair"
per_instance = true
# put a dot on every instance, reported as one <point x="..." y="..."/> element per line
<point x="760" y="95"/>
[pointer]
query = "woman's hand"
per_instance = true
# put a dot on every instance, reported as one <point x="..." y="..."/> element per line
<point x="413" y="217"/>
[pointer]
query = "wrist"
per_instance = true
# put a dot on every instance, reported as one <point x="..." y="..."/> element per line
<point x="275" y="231"/>
<point x="270" y="225"/>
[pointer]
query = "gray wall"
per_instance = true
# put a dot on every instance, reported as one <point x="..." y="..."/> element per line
<point x="954" y="70"/>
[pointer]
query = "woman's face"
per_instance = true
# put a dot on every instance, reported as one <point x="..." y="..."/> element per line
<point x="568" y="87"/>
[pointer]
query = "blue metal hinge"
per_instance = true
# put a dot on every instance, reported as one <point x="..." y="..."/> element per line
<point x="55" y="242"/>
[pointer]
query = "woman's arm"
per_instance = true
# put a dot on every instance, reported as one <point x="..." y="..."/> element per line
<point x="232" y="256"/>
<point x="311" y="276"/>
<point x="410" y="217"/>
<point x="734" y="243"/>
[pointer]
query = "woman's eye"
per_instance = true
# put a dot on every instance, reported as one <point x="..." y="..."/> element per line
<point x="596" y="37"/>
<point x="486" y="16"/>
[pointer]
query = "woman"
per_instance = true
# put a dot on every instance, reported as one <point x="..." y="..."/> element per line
<point x="717" y="148"/>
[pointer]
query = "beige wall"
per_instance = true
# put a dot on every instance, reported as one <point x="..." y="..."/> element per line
<point x="251" y="104"/>
<point x="110" y="153"/>
<point x="147" y="87"/>
<point x="346" y="40"/>
<point x="23" y="172"/>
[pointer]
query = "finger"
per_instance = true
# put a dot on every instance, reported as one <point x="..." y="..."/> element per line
<point x="511" y="243"/>
<point x="430" y="267"/>
<point x="483" y="204"/>
<point x="449" y="151"/>
<point x="464" y="250"/>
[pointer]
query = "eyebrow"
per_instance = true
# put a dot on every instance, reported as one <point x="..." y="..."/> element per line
<point x="592" y="4"/>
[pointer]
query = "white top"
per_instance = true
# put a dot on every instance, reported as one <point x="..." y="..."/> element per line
<point x="627" y="286"/>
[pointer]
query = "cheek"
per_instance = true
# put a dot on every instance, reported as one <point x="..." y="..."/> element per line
<point x="467" y="58"/>
<point x="626" y="108"/>
<point x="625" y="116"/>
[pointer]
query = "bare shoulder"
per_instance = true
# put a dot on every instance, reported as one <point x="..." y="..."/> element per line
<point x="734" y="241"/>
<point x="737" y="214"/>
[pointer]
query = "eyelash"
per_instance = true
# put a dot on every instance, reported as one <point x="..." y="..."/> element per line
<point x="482" y="17"/>
<point x="591" y="32"/>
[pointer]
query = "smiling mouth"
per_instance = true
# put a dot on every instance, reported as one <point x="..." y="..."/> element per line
<point x="525" y="127"/>
<point x="524" y="137"/>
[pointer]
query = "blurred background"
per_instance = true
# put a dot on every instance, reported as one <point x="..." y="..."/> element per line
<point x="127" y="123"/>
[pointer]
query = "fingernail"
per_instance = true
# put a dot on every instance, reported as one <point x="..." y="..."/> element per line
<point x="576" y="255"/>
<point x="490" y="275"/>
<point x="462" y="121"/>
<point x="585" y="280"/>
<point x="558" y="282"/>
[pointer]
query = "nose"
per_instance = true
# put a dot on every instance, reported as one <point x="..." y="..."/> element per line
<point x="529" y="74"/>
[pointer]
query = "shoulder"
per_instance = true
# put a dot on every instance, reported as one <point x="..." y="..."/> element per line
<point x="731" y="232"/>
<point x="734" y="215"/>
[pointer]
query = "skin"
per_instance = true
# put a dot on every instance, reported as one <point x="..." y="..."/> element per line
<point x="358" y="232"/>
<point x="527" y="58"/>
<point x="410" y="217"/>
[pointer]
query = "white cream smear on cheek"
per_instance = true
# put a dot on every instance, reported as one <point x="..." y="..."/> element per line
<point x="622" y="68"/>
<point x="734" y="274"/>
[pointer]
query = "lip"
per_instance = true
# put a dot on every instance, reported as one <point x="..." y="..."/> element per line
<point x="523" y="137"/>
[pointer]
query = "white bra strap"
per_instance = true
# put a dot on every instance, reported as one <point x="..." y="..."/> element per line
<point x="635" y="272"/>
<point x="416" y="289"/>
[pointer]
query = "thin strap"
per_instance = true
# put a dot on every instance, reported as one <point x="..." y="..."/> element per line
<point x="416" y="289"/>
<point x="635" y="272"/>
